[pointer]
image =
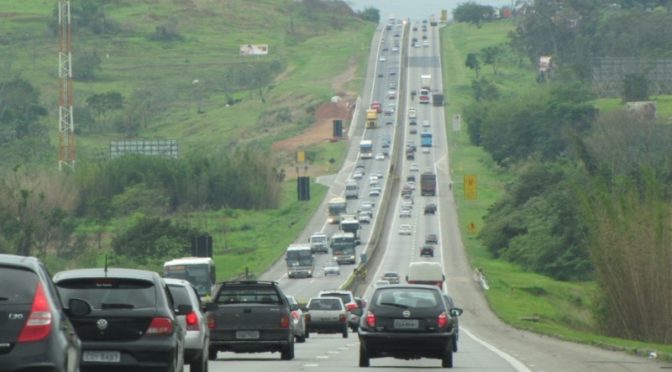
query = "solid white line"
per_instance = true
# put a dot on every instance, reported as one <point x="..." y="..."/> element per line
<point x="515" y="363"/>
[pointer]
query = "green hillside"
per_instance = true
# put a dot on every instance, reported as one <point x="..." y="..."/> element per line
<point x="154" y="51"/>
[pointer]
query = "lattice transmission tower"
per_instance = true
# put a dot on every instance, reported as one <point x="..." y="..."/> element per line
<point x="67" y="152"/>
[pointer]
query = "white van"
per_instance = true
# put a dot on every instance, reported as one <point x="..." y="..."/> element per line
<point x="429" y="273"/>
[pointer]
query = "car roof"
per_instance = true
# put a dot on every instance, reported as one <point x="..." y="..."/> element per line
<point x="106" y="273"/>
<point x="176" y="281"/>
<point x="21" y="261"/>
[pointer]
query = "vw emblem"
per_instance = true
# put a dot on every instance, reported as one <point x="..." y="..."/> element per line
<point x="406" y="313"/>
<point x="101" y="324"/>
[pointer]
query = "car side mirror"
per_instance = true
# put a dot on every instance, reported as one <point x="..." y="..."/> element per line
<point x="183" y="309"/>
<point x="211" y="306"/>
<point x="78" y="307"/>
<point x="455" y="311"/>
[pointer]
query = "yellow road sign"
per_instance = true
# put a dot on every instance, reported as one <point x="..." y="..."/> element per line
<point x="471" y="227"/>
<point x="301" y="156"/>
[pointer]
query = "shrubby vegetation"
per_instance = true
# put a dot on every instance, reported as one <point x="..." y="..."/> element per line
<point x="591" y="195"/>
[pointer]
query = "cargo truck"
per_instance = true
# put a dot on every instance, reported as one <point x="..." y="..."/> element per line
<point x="376" y="106"/>
<point x="437" y="99"/>
<point x="371" y="118"/>
<point x="428" y="184"/>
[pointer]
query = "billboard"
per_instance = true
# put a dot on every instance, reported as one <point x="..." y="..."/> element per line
<point x="254" y="49"/>
<point x="162" y="148"/>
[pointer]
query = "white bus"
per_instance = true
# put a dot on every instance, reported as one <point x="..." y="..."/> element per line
<point x="300" y="262"/>
<point x="366" y="149"/>
<point x="199" y="271"/>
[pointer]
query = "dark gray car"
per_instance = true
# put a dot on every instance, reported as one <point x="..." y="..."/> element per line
<point x="125" y="318"/>
<point x="35" y="332"/>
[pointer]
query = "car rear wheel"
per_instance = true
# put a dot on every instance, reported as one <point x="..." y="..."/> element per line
<point x="287" y="352"/>
<point x="364" y="360"/>
<point x="307" y="333"/>
<point x="212" y="354"/>
<point x="200" y="364"/>
<point x="301" y="339"/>
<point x="345" y="331"/>
<point x="447" y="359"/>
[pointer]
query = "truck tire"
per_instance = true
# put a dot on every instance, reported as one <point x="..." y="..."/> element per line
<point x="364" y="360"/>
<point x="287" y="352"/>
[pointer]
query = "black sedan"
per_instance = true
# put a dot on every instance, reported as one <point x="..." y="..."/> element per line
<point x="407" y="322"/>
<point x="125" y="318"/>
<point x="427" y="251"/>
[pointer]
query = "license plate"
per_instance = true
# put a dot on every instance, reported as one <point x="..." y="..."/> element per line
<point x="247" y="335"/>
<point x="102" y="356"/>
<point x="406" y="323"/>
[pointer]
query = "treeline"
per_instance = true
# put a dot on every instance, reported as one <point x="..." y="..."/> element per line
<point x="245" y="180"/>
<point x="40" y="211"/>
<point x="592" y="196"/>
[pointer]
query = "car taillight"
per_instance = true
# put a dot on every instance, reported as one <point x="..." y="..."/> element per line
<point x="38" y="325"/>
<point x="212" y="322"/>
<point x="442" y="321"/>
<point x="284" y="321"/>
<point x="351" y="306"/>
<point x="342" y="318"/>
<point x="192" y="321"/>
<point x="307" y="317"/>
<point x="160" y="326"/>
<point x="371" y="319"/>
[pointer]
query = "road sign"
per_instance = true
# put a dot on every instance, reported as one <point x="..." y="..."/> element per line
<point x="471" y="227"/>
<point x="470" y="185"/>
<point x="301" y="156"/>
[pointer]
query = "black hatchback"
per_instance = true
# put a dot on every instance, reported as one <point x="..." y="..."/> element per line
<point x="407" y="321"/>
<point x="35" y="333"/>
<point x="124" y="317"/>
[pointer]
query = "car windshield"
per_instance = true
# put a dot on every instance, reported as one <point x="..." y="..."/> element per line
<point x="248" y="294"/>
<point x="325" y="304"/>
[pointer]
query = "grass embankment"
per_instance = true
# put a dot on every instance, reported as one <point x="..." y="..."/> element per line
<point x="522" y="299"/>
<point x="311" y="50"/>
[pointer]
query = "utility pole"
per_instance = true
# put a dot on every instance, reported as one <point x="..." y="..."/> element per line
<point x="67" y="152"/>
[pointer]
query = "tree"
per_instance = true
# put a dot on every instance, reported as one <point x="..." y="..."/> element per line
<point x="87" y="64"/>
<point x="635" y="88"/>
<point x="491" y="56"/>
<point x="370" y="14"/>
<point x="20" y="111"/>
<point x="473" y="63"/>
<point x="484" y="90"/>
<point x="153" y="240"/>
<point x="473" y="13"/>
<point x="103" y="103"/>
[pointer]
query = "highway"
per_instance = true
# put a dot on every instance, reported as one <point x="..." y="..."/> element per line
<point x="486" y="344"/>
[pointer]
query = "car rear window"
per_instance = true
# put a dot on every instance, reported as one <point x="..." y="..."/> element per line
<point x="235" y="295"/>
<point x="18" y="285"/>
<point x="345" y="297"/>
<point x="110" y="293"/>
<point x="417" y="298"/>
<point x="325" y="304"/>
<point x="180" y="294"/>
